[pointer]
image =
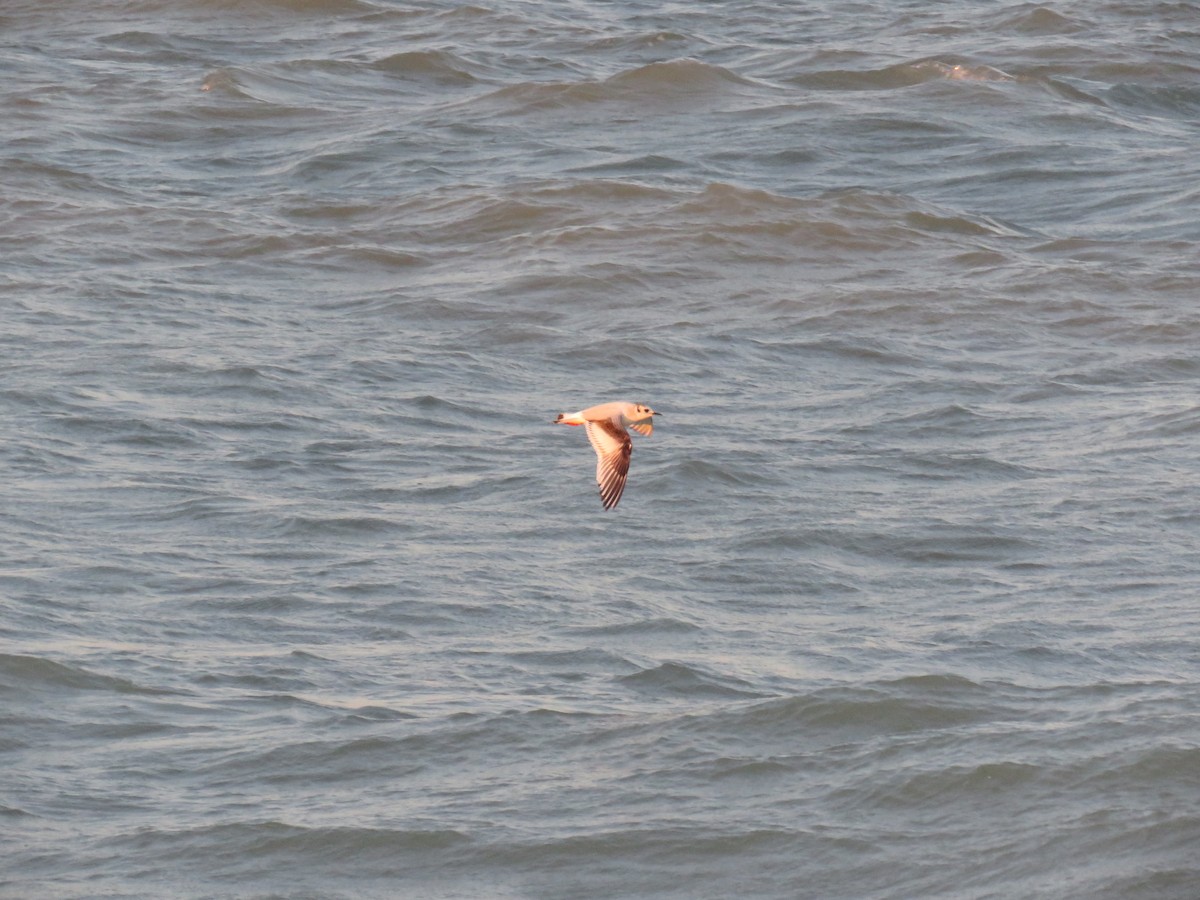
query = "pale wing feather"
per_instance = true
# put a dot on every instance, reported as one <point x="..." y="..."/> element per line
<point x="613" y="448"/>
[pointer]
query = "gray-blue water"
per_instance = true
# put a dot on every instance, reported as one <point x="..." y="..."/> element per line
<point x="303" y="595"/>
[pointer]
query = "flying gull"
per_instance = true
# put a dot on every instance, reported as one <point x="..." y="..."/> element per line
<point x="606" y="426"/>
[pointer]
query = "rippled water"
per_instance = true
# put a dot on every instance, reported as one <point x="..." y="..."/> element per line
<point x="304" y="596"/>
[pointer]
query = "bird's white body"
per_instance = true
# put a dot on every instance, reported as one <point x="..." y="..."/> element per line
<point x="606" y="424"/>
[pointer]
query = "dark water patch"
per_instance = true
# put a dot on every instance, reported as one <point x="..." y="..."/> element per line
<point x="438" y="66"/>
<point x="1094" y="95"/>
<point x="430" y="403"/>
<point x="285" y="10"/>
<point x="310" y="527"/>
<point x="359" y="257"/>
<point x="952" y="418"/>
<point x="678" y="76"/>
<point x="985" y="781"/>
<point x="335" y="211"/>
<point x="1168" y="768"/>
<point x="873" y="351"/>
<point x="378" y="714"/>
<point x="31" y="673"/>
<point x="924" y="703"/>
<point x="514" y="335"/>
<point x="640" y="164"/>
<point x="949" y="224"/>
<point x="1158" y="370"/>
<point x="649" y="87"/>
<point x="584" y="854"/>
<point x="326" y="761"/>
<point x="959" y="467"/>
<point x="649" y="40"/>
<point x="739" y="473"/>
<point x="778" y="539"/>
<point x="1039" y="20"/>
<point x="636" y="628"/>
<point x="117" y="426"/>
<point x="1151" y="883"/>
<point x="1178" y="101"/>
<point x="243" y="848"/>
<point x="142" y="47"/>
<point x="575" y="662"/>
<point x="1172" y="424"/>
<point x="742" y="770"/>
<point x="273" y="685"/>
<point x="680" y="680"/>
<point x="903" y="75"/>
<point x="56" y="178"/>
<point x="537" y="98"/>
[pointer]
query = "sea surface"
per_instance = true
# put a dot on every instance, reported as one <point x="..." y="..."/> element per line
<point x="302" y="595"/>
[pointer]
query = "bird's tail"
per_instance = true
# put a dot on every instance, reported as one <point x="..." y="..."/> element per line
<point x="569" y="419"/>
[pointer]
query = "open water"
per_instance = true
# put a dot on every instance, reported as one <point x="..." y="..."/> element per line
<point x="303" y="596"/>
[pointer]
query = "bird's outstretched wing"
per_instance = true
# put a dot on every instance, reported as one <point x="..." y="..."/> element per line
<point x="613" y="448"/>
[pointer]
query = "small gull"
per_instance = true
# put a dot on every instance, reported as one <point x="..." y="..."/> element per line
<point x="605" y="426"/>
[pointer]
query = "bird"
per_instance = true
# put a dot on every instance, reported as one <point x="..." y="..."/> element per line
<point x="605" y="425"/>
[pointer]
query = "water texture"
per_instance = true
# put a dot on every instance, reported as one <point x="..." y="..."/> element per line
<point x="303" y="595"/>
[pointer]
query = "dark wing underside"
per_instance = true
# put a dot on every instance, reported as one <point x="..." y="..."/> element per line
<point x="613" y="448"/>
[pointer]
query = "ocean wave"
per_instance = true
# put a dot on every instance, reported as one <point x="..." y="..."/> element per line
<point x="34" y="673"/>
<point x="680" y="679"/>
<point x="1175" y="101"/>
<point x="440" y="66"/>
<point x="669" y="232"/>
<point x="282" y="10"/>
<point x="650" y="85"/>
<point x="268" y="842"/>
<point x="678" y="75"/>
<point x="1038" y="20"/>
<point x="902" y="75"/>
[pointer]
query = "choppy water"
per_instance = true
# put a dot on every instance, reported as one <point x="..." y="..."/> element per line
<point x="304" y="596"/>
